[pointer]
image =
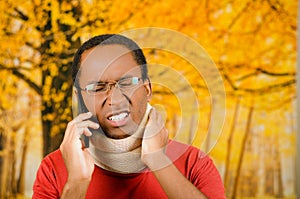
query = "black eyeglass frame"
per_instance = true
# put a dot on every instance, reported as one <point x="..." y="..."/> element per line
<point x="108" y="85"/>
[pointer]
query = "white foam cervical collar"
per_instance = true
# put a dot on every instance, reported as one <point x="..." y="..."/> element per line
<point x="119" y="155"/>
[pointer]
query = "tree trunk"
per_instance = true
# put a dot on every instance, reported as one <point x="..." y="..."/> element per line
<point x="13" y="184"/>
<point x="59" y="111"/>
<point x="229" y="144"/>
<point x="262" y="165"/>
<point x="243" y="149"/>
<point x="8" y="167"/>
<point x="21" y="179"/>
<point x="3" y="161"/>
<point x="194" y="124"/>
<point x="5" y="177"/>
<point x="279" y="186"/>
<point x="209" y="131"/>
<point x="269" y="186"/>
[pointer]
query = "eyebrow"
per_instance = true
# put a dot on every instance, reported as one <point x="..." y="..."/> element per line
<point x="126" y="76"/>
<point x="123" y="77"/>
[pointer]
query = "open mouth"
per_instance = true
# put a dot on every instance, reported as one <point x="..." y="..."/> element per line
<point x="118" y="117"/>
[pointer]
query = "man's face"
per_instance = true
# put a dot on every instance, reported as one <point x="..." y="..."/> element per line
<point x="119" y="112"/>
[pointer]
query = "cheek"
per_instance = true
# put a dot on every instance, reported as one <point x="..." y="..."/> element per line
<point x="92" y="104"/>
<point x="139" y="95"/>
<point x="139" y="101"/>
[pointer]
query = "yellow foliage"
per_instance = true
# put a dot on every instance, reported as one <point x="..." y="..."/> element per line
<point x="54" y="131"/>
<point x="253" y="44"/>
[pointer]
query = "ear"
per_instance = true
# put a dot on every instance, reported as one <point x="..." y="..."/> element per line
<point x="81" y="107"/>
<point x="148" y="87"/>
<point x="75" y="91"/>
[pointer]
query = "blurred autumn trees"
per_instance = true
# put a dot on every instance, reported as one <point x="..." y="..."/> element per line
<point x="253" y="44"/>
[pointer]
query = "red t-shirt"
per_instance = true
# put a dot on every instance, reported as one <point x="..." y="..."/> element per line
<point x="197" y="167"/>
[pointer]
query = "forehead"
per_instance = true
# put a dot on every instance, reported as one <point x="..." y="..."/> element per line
<point x="108" y="62"/>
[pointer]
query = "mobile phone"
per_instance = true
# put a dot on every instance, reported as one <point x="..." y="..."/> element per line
<point x="86" y="141"/>
<point x="81" y="108"/>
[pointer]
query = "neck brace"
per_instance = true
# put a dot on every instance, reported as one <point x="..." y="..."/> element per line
<point x="119" y="155"/>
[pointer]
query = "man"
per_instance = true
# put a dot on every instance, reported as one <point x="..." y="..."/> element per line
<point x="117" y="146"/>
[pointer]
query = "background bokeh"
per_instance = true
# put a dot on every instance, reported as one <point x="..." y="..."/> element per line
<point x="252" y="43"/>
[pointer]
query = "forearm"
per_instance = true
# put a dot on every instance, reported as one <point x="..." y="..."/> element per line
<point x="75" y="190"/>
<point x="172" y="181"/>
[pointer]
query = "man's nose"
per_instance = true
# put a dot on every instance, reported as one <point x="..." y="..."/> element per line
<point x="115" y="95"/>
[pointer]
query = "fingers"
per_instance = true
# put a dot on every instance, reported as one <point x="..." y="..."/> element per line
<point x="155" y="124"/>
<point x="83" y="116"/>
<point x="154" y="142"/>
<point x="155" y="134"/>
<point x="82" y="122"/>
<point x="79" y="126"/>
<point x="87" y="123"/>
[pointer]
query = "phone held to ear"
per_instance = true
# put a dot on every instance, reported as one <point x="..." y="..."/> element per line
<point x="86" y="141"/>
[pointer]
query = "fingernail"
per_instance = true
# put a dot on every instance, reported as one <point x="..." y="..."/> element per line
<point x="89" y="113"/>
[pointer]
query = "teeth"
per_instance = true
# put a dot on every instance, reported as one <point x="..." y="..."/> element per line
<point x="119" y="117"/>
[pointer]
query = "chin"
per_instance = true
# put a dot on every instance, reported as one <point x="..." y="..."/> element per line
<point x="117" y="135"/>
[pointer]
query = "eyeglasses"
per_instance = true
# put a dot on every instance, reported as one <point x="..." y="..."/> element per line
<point x="123" y="84"/>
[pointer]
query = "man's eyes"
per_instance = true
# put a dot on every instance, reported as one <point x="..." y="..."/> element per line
<point x="96" y="87"/>
<point x="122" y="83"/>
<point x="125" y="82"/>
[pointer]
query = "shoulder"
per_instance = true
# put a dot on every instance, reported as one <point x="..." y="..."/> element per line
<point x="51" y="176"/>
<point x="176" y="150"/>
<point x="53" y="161"/>
<point x="52" y="157"/>
<point x="189" y="159"/>
<point x="197" y="167"/>
<point x="56" y="157"/>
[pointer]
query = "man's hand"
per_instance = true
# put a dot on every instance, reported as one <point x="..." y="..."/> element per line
<point x="79" y="163"/>
<point x="154" y="141"/>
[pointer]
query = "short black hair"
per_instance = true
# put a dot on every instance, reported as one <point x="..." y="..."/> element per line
<point x="108" y="39"/>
